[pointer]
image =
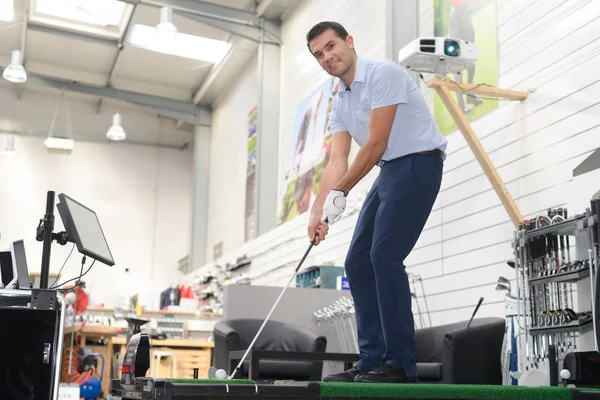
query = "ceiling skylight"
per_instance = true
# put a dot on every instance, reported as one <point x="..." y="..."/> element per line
<point x="97" y="12"/>
<point x="100" y="17"/>
<point x="182" y="45"/>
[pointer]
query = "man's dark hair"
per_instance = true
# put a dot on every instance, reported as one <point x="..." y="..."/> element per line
<point x="322" y="27"/>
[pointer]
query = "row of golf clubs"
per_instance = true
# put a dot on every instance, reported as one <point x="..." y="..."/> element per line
<point x="337" y="322"/>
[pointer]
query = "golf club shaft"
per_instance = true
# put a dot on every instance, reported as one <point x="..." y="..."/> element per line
<point x="273" y="308"/>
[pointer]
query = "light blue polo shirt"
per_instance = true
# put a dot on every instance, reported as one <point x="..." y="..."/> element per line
<point x="379" y="83"/>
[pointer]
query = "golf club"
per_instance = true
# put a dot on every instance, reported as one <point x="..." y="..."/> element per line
<point x="312" y="243"/>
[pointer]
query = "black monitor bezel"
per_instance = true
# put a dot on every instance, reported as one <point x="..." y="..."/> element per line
<point x="73" y="234"/>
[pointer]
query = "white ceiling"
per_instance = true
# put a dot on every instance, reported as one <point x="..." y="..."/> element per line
<point x="49" y="52"/>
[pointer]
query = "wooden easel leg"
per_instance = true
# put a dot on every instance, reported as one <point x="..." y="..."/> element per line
<point x="488" y="168"/>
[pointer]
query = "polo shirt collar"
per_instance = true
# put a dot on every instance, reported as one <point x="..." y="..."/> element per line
<point x="359" y="73"/>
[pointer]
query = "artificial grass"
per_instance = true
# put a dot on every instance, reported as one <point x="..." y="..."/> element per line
<point x="443" y="391"/>
<point x="213" y="381"/>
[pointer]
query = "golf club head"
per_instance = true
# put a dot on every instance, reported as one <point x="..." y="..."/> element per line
<point x="501" y="286"/>
<point x="504" y="282"/>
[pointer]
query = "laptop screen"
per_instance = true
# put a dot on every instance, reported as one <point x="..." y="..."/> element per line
<point x="6" y="270"/>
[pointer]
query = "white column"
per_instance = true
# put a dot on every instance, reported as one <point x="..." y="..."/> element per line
<point x="402" y="26"/>
<point x="200" y="196"/>
<point x="267" y="141"/>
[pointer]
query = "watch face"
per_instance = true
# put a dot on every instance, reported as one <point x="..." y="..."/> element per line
<point x="137" y="358"/>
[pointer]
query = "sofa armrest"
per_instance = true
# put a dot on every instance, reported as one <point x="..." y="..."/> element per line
<point x="473" y="355"/>
<point x="226" y="339"/>
<point x="310" y="341"/>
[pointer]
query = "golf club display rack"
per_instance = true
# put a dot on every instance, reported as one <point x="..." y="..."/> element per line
<point x="556" y="258"/>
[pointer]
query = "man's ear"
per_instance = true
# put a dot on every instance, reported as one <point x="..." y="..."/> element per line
<point x="350" y="41"/>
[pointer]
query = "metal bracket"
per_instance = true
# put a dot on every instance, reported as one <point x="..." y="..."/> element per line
<point x="43" y="299"/>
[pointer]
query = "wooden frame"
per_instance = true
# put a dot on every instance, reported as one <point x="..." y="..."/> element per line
<point x="443" y="89"/>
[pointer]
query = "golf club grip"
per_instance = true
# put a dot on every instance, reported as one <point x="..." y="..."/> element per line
<point x="475" y="312"/>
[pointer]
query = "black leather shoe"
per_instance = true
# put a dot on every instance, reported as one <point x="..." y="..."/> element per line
<point x="386" y="374"/>
<point x="346" y="376"/>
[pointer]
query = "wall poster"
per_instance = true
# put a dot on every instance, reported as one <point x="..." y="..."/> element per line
<point x="308" y="153"/>
<point x="473" y="21"/>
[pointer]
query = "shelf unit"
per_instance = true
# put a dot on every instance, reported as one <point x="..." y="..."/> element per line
<point x="549" y="262"/>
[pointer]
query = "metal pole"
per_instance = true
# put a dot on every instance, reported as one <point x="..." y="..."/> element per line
<point x="48" y="229"/>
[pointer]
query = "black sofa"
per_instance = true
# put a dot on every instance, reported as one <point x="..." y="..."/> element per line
<point x="456" y="354"/>
<point x="236" y="335"/>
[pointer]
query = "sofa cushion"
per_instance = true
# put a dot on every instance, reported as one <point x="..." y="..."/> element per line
<point x="281" y="369"/>
<point x="429" y="371"/>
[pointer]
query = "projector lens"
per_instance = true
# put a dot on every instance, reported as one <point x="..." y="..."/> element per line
<point x="451" y="48"/>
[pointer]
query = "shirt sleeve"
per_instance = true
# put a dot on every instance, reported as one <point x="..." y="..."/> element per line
<point x="390" y="85"/>
<point x="335" y="122"/>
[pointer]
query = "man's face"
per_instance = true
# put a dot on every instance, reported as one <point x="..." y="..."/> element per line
<point x="335" y="55"/>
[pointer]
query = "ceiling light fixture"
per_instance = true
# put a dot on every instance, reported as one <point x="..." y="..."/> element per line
<point x="7" y="10"/>
<point x="9" y="151"/>
<point x="116" y="131"/>
<point x="165" y="28"/>
<point x="15" y="71"/>
<point x="59" y="143"/>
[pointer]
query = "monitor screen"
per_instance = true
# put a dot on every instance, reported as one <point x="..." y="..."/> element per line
<point x="7" y="270"/>
<point x="83" y="227"/>
<point x="20" y="261"/>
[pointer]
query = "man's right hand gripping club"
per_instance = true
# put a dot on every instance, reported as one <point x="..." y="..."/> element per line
<point x="334" y="206"/>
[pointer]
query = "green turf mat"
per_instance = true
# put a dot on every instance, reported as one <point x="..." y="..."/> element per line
<point x="431" y="391"/>
<point x="230" y="381"/>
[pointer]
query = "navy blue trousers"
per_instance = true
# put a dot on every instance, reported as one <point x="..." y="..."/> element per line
<point x="389" y="224"/>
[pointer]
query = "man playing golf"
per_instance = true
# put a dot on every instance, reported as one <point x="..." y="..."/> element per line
<point x="381" y="108"/>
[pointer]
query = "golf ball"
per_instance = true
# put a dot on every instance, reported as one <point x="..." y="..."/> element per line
<point x="221" y="374"/>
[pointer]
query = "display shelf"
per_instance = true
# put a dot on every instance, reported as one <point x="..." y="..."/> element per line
<point x="568" y="227"/>
<point x="161" y="312"/>
<point x="568" y="276"/>
<point x="575" y="326"/>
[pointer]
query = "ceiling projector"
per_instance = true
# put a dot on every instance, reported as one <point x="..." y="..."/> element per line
<point x="438" y="55"/>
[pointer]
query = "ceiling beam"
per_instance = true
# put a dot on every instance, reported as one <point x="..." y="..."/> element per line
<point x="171" y="108"/>
<point x="262" y="7"/>
<point x="87" y="138"/>
<point x="247" y="24"/>
<point x="120" y="47"/>
<point x="197" y="7"/>
<point x="212" y="75"/>
<point x="34" y="26"/>
<point x="254" y="33"/>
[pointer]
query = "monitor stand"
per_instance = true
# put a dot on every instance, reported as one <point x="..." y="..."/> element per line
<point x="133" y="325"/>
